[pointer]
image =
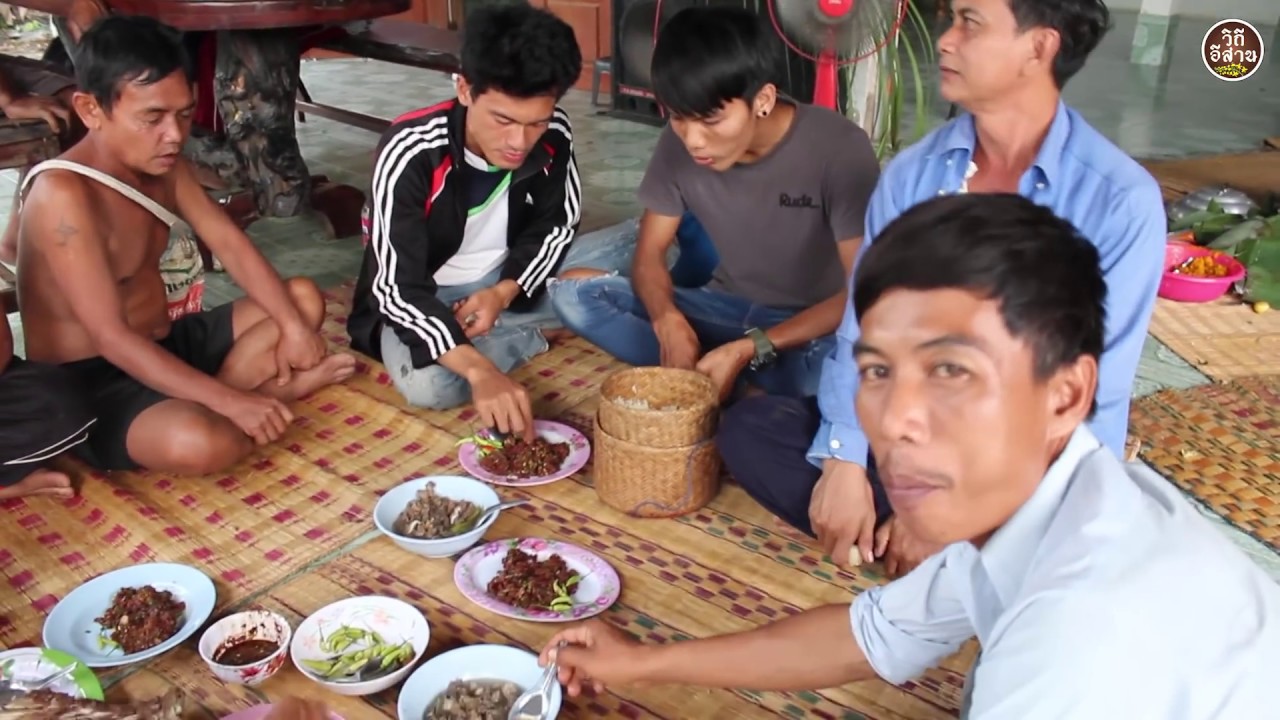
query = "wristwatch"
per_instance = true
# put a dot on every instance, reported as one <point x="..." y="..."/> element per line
<point x="766" y="354"/>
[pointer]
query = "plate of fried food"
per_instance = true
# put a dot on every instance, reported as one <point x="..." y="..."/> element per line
<point x="556" y="452"/>
<point x="536" y="579"/>
<point x="131" y="614"/>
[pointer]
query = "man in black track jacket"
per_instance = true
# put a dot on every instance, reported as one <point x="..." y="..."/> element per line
<point x="474" y="206"/>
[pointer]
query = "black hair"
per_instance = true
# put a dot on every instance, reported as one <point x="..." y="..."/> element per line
<point x="120" y="49"/>
<point x="519" y="50"/>
<point x="707" y="57"/>
<point x="1045" y="275"/>
<point x="1081" y="24"/>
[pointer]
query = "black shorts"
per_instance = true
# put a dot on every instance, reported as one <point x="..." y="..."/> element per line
<point x="201" y="340"/>
<point x="42" y="415"/>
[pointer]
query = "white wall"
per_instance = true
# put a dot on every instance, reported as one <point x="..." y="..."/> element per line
<point x="1266" y="12"/>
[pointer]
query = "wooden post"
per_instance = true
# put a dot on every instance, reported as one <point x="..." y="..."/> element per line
<point x="256" y="84"/>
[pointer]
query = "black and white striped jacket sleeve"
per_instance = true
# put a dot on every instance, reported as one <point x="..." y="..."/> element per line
<point x="536" y="251"/>
<point x="404" y="290"/>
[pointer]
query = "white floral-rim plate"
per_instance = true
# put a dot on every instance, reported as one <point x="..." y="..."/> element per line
<point x="579" y="452"/>
<point x="598" y="588"/>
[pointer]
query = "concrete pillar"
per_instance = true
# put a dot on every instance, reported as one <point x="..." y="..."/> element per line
<point x="1153" y="36"/>
<point x="1154" y="33"/>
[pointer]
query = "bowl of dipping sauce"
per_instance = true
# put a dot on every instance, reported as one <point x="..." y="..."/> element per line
<point x="246" y="648"/>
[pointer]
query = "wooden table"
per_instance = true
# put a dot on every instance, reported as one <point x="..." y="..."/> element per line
<point x="247" y="63"/>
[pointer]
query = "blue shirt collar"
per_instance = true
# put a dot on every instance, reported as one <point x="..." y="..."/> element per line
<point x="1008" y="554"/>
<point x="961" y="135"/>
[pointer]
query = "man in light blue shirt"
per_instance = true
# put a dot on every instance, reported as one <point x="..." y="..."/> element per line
<point x="1005" y="62"/>
<point x="1095" y="589"/>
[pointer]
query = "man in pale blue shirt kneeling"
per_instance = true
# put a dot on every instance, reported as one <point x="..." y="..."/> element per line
<point x="1005" y="62"/>
<point x="1094" y="588"/>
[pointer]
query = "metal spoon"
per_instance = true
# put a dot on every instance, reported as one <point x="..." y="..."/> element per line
<point x="534" y="703"/>
<point x="64" y="672"/>
<point x="484" y="515"/>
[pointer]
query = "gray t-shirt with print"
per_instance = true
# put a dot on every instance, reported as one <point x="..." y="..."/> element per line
<point x="775" y="222"/>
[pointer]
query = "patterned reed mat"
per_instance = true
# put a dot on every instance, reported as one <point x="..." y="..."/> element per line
<point x="1223" y="339"/>
<point x="1221" y="443"/>
<point x="719" y="570"/>
<point x="290" y="530"/>
<point x="275" y="513"/>
<point x="1256" y="173"/>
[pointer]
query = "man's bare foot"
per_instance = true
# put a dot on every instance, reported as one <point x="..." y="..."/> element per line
<point x="332" y="370"/>
<point x="783" y="528"/>
<point x="40" y="482"/>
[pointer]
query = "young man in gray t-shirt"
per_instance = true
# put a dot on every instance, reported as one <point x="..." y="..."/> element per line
<point x="781" y="189"/>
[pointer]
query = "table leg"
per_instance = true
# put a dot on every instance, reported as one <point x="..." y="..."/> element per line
<point x="256" y="84"/>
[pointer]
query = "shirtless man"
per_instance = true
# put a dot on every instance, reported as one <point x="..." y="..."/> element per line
<point x="190" y="396"/>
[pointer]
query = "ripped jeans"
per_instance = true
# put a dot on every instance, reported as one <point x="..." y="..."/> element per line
<point x="516" y="337"/>
<point x="606" y="312"/>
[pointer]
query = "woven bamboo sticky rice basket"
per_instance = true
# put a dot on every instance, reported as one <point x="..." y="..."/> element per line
<point x="659" y="407"/>
<point x="654" y="449"/>
<point x="654" y="482"/>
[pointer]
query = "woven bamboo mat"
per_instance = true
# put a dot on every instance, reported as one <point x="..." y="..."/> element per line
<point x="276" y="512"/>
<point x="1223" y="339"/>
<point x="290" y="530"/>
<point x="720" y="570"/>
<point x="1220" y="443"/>
<point x="1256" y="173"/>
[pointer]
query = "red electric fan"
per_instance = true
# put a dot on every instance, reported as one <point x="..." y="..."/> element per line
<point x="835" y="33"/>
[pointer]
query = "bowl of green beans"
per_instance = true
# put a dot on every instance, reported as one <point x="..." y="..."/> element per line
<point x="360" y="645"/>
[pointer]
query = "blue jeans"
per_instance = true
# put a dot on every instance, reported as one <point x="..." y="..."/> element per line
<point x="516" y="337"/>
<point x="698" y="257"/>
<point x="607" y="312"/>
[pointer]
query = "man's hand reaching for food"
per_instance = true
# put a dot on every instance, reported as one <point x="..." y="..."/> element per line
<point x="775" y="656"/>
<point x="677" y="341"/>
<point x="502" y="403"/>
<point x="594" y="655"/>
<point x="725" y="363"/>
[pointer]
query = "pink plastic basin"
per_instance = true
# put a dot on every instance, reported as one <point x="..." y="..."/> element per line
<point x="1188" y="288"/>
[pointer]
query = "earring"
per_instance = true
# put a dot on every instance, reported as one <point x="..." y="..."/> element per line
<point x="764" y="113"/>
